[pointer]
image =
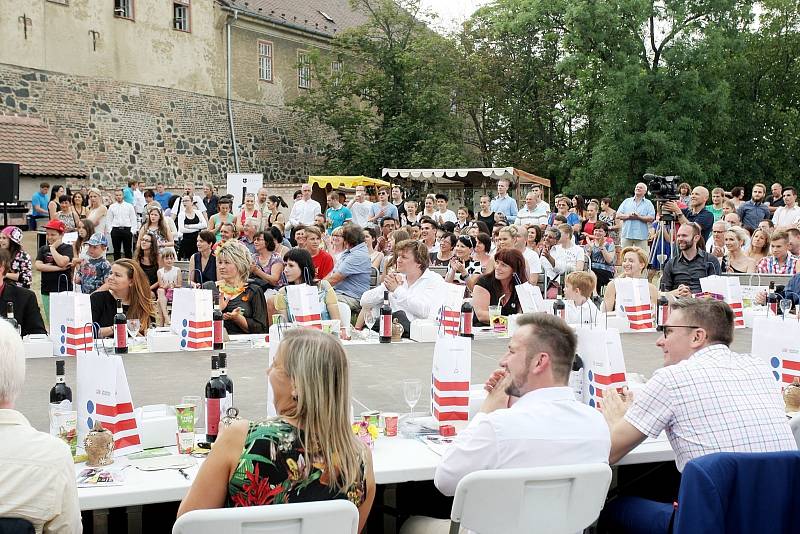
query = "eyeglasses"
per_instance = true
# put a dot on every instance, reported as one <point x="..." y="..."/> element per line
<point x="383" y="193"/>
<point x="666" y="329"/>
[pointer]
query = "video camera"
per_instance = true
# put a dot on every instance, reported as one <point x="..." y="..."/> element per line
<point x="662" y="188"/>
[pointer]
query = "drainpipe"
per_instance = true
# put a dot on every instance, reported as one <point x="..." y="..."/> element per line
<point x="230" y="91"/>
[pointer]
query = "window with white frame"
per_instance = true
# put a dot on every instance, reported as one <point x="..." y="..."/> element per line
<point x="265" y="61"/>
<point x="303" y="70"/>
<point x="181" y="11"/>
<point x="123" y="9"/>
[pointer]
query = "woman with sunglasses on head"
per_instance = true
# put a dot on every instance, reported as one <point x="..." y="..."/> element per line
<point x="463" y="268"/>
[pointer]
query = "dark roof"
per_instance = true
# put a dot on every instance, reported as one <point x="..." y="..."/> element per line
<point x="326" y="17"/>
<point x="38" y="151"/>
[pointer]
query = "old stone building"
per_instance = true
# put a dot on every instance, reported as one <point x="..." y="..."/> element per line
<point x="143" y="88"/>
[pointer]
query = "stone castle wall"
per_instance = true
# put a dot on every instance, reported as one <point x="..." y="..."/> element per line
<point x="119" y="130"/>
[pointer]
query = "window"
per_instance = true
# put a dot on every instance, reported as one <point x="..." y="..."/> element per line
<point x="303" y="70"/>
<point x="180" y="15"/>
<point x="123" y="9"/>
<point x="265" y="61"/>
<point x="336" y="72"/>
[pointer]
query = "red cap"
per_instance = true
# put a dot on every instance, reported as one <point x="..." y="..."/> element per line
<point x="55" y="224"/>
<point x="447" y="431"/>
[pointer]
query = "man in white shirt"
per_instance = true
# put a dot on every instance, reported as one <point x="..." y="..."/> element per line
<point x="38" y="482"/>
<point x="304" y="209"/>
<point x="122" y="221"/>
<point x="707" y="398"/>
<point x="787" y="215"/>
<point x="360" y="207"/>
<point x="414" y="291"/>
<point x="530" y="417"/>
<point x="139" y="201"/>
<point x="442" y="214"/>
<point x="535" y="210"/>
<point x="262" y="205"/>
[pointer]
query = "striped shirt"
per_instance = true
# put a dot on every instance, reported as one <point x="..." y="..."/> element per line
<point x="771" y="265"/>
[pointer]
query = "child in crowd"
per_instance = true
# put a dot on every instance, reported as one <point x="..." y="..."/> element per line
<point x="579" y="287"/>
<point x="463" y="218"/>
<point x="94" y="268"/>
<point x="169" y="277"/>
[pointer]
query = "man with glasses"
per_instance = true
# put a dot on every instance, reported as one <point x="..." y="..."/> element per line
<point x="682" y="273"/>
<point x="382" y="209"/>
<point x="716" y="245"/>
<point x="706" y="398"/>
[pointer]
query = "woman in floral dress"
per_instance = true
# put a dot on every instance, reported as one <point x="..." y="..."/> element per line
<point x="307" y="453"/>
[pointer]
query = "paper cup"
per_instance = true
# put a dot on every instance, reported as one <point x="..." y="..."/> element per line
<point x="371" y="417"/>
<point x="67" y="424"/>
<point x="390" y="422"/>
<point x="185" y="442"/>
<point x="185" y="415"/>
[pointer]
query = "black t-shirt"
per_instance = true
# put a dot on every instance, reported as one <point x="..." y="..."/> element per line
<point x="104" y="308"/>
<point x="489" y="220"/>
<point x="511" y="306"/>
<point x="776" y="202"/>
<point x="50" y="279"/>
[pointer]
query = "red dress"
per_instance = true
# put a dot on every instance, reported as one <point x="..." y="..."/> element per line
<point x="323" y="263"/>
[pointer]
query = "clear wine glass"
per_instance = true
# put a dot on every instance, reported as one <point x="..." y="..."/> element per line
<point x="786" y="306"/>
<point x="412" y="389"/>
<point x="133" y="328"/>
<point x="369" y="320"/>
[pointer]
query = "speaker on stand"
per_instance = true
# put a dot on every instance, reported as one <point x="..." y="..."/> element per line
<point x="9" y="187"/>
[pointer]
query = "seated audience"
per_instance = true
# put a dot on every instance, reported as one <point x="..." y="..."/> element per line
<point x="600" y="248"/>
<point x="94" y="268"/>
<point x="224" y="216"/>
<point x="682" y="273"/>
<point x="169" y="277"/>
<point x="20" y="271"/>
<point x="735" y="260"/>
<point x="128" y="283"/>
<point x="483" y="247"/>
<point x="267" y="268"/>
<point x="780" y="261"/>
<point x="26" y="309"/>
<point x="146" y="255"/>
<point x="741" y="409"/>
<point x="634" y="262"/>
<point x="203" y="264"/>
<point x="249" y="229"/>
<point x="370" y="239"/>
<point x="759" y="246"/>
<point x="299" y="269"/>
<point x="323" y="262"/>
<point x="579" y="286"/>
<point x="532" y="236"/>
<point x="446" y="243"/>
<point x="38" y="471"/>
<point x="307" y="453"/>
<point x="463" y="270"/>
<point x="350" y="276"/>
<point x="498" y="288"/>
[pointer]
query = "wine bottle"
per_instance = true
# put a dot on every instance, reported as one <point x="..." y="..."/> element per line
<point x="560" y="309"/>
<point x="663" y="310"/>
<point x="772" y="303"/>
<point x="465" y="329"/>
<point x="215" y="395"/>
<point x="10" y="318"/>
<point x="120" y="330"/>
<point x="385" y="326"/>
<point x="223" y="375"/>
<point x="60" y="397"/>
<point x="576" y="378"/>
<point x="217" y="325"/>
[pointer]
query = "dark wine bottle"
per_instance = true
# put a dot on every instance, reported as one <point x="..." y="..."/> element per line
<point x="560" y="309"/>
<point x="120" y="330"/>
<point x="60" y="398"/>
<point x="663" y="310"/>
<point x="465" y="328"/>
<point x="576" y="378"/>
<point x="223" y="375"/>
<point x="385" y="325"/>
<point x="10" y="318"/>
<point x="772" y="303"/>
<point x="217" y="325"/>
<point x="215" y="396"/>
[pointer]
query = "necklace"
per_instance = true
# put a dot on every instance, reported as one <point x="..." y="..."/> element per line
<point x="229" y="290"/>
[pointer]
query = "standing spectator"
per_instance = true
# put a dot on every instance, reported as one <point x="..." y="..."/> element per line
<point x="79" y="248"/>
<point x="53" y="206"/>
<point x="188" y="189"/>
<point x="203" y="263"/>
<point x="127" y="193"/>
<point x="97" y="211"/>
<point x="579" y="207"/>
<point x="538" y="209"/>
<point x="190" y="224"/>
<point x="443" y="214"/>
<point x="463" y="222"/>
<point x="684" y="193"/>
<point x="121" y="220"/>
<point x="503" y="203"/>
<point x="66" y="214"/>
<point x="382" y="209"/>
<point x="93" y="270"/>
<point x="696" y="211"/>
<point x="20" y="269"/>
<point x="737" y="196"/>
<point x="787" y="215"/>
<point x="224" y="216"/>
<point x="717" y="201"/>
<point x="323" y="262"/>
<point x="429" y="207"/>
<point x="591" y="220"/>
<point x="486" y="215"/>
<point x="304" y="209"/>
<point x="780" y="261"/>
<point x="336" y="214"/>
<point x="562" y="210"/>
<point x="350" y="277"/>
<point x="410" y="216"/>
<point x="210" y="199"/>
<point x="262" y="205"/>
<point x="248" y="211"/>
<point x="636" y="214"/>
<point x="146" y="256"/>
<point x="162" y="196"/>
<point x="754" y="210"/>
<point x="38" y="470"/>
<point x="39" y="205"/>
<point x="682" y="273"/>
<point x="139" y="202"/>
<point x="273" y="216"/>
<point x="608" y="216"/>
<point x="53" y="260"/>
<point x="360" y="207"/>
<point x="776" y="201"/>
<point x="398" y="201"/>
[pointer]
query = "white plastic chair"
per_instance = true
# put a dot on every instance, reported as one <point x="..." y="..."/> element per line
<point x="332" y="517"/>
<point x="345" y="314"/>
<point x="554" y="500"/>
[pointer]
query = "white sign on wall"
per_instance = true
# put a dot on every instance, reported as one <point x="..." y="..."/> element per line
<point x="239" y="184"/>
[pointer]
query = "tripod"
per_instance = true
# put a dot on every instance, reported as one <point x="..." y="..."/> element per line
<point x="665" y="235"/>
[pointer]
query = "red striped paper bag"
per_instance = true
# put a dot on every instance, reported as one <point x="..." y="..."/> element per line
<point x="450" y="376"/>
<point x="604" y="363"/>
<point x="633" y="298"/>
<point x="728" y="289"/>
<point x="192" y="314"/>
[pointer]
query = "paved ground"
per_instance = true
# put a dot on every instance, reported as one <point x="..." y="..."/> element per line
<point x="376" y="373"/>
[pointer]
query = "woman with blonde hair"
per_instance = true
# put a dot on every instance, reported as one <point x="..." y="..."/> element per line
<point x="244" y="310"/>
<point x="128" y="283"/>
<point x="97" y="210"/>
<point x="307" y="453"/>
<point x="634" y="262"/>
<point x="759" y="245"/>
<point x="736" y="261"/>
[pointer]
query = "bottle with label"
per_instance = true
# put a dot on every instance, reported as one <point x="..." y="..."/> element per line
<point x="10" y="318"/>
<point x="120" y="330"/>
<point x="560" y="309"/>
<point x="215" y="396"/>
<point x="663" y="310"/>
<point x="60" y="397"/>
<point x="465" y="329"/>
<point x="385" y="325"/>
<point x="223" y="375"/>
<point x="772" y="303"/>
<point x="217" y="325"/>
<point x="576" y="378"/>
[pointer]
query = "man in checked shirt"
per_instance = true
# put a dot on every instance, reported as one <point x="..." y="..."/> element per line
<point x="707" y="398"/>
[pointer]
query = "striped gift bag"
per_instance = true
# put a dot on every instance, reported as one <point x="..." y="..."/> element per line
<point x="728" y="289"/>
<point x="192" y="312"/>
<point x="450" y="376"/>
<point x="305" y="308"/>
<point x="633" y="296"/>
<point x="604" y="364"/>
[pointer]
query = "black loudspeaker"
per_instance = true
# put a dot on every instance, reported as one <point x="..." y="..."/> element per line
<point x="9" y="182"/>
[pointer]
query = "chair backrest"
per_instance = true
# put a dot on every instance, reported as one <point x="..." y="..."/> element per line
<point x="16" y="525"/>
<point x="331" y="517"/>
<point x="373" y="277"/>
<point x="559" y="499"/>
<point x="439" y="269"/>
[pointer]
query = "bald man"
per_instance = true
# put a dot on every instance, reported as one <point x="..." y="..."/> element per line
<point x="696" y="212"/>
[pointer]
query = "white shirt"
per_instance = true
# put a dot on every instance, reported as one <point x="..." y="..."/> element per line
<point x="304" y="211"/>
<point x="184" y="227"/>
<point x="716" y="401"/>
<point x="139" y="201"/>
<point x="121" y="214"/>
<point x="38" y="482"/>
<point x="566" y="260"/>
<point x="785" y="217"/>
<point x="177" y="208"/>
<point x="443" y="217"/>
<point x="586" y="313"/>
<point x="532" y="260"/>
<point x="544" y="427"/>
<point x="421" y="300"/>
<point x="361" y="212"/>
<point x="538" y="215"/>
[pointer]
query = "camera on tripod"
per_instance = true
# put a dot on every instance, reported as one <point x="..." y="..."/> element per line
<point x="663" y="189"/>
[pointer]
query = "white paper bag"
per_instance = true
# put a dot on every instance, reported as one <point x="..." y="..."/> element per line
<point x="452" y="360"/>
<point x="276" y="333"/>
<point x="192" y="314"/>
<point x="104" y="395"/>
<point x="633" y="302"/>
<point x="530" y="298"/>
<point x="449" y="315"/>
<point x="305" y="309"/>
<point x="71" y="323"/>
<point x="777" y="342"/>
<point x="728" y="289"/>
<point x="604" y="363"/>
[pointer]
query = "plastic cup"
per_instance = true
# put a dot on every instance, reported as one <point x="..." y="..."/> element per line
<point x="185" y="442"/>
<point x="67" y="424"/>
<point x="390" y="421"/>
<point x="372" y="417"/>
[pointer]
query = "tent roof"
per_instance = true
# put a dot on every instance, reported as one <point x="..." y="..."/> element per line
<point x="467" y="175"/>
<point x="345" y="181"/>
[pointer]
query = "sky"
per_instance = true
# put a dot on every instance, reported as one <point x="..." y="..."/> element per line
<point x="452" y="12"/>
